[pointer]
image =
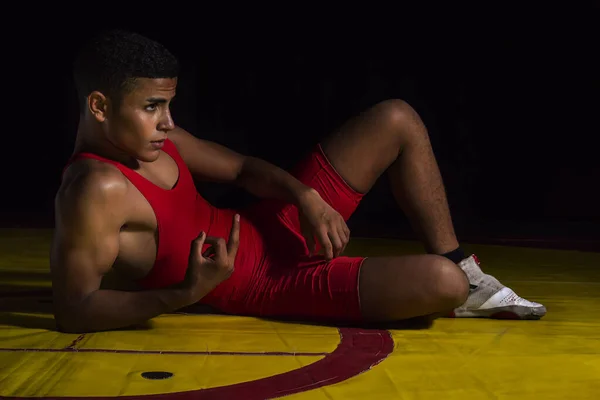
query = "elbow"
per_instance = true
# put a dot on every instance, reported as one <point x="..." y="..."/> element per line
<point x="239" y="171"/>
<point x="69" y="322"/>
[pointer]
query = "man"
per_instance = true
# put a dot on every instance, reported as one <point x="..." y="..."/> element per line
<point x="135" y="240"/>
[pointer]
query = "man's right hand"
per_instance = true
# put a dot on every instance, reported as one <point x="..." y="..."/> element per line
<point x="207" y="270"/>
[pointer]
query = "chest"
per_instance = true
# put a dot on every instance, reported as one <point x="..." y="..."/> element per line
<point x="138" y="238"/>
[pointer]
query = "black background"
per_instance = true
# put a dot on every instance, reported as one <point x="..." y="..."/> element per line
<point x="509" y="95"/>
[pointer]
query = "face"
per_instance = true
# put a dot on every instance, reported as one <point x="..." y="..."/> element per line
<point x="139" y="124"/>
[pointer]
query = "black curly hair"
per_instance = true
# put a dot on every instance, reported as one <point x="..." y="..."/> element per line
<point x="112" y="60"/>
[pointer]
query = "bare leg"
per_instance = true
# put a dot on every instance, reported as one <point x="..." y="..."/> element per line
<point x="391" y="136"/>
<point x="398" y="288"/>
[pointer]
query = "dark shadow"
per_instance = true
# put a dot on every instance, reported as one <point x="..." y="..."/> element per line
<point x="199" y="309"/>
<point x="25" y="306"/>
<point x="416" y="323"/>
<point x="24" y="274"/>
<point x="17" y="300"/>
<point x="21" y="312"/>
<point x="23" y="291"/>
<point x="28" y="321"/>
<point x="32" y="309"/>
<point x="27" y="312"/>
<point x="12" y="284"/>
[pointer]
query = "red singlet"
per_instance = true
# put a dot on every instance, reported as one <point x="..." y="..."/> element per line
<point x="274" y="276"/>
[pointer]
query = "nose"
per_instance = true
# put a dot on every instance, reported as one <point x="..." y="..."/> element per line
<point x="166" y="123"/>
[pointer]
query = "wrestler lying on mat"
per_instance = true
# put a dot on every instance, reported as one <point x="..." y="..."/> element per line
<point x="128" y="207"/>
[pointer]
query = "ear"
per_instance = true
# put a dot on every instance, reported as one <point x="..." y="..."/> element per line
<point x="98" y="105"/>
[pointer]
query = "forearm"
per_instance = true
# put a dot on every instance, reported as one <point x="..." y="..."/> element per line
<point x="112" y="309"/>
<point x="266" y="180"/>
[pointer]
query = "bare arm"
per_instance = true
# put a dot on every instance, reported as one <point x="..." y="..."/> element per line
<point x="89" y="214"/>
<point x="213" y="162"/>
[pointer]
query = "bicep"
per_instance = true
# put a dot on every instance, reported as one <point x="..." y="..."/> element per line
<point x="207" y="160"/>
<point x="86" y="243"/>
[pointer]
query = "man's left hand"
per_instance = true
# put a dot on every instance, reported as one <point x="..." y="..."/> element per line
<point x="321" y="221"/>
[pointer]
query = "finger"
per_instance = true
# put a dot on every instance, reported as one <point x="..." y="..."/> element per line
<point x="234" y="238"/>
<point x="197" y="244"/>
<point x="336" y="242"/>
<point x="311" y="244"/>
<point x="325" y="243"/>
<point x="209" y="253"/>
<point x="345" y="236"/>
<point x="219" y="248"/>
<point x="344" y="245"/>
<point x="345" y="241"/>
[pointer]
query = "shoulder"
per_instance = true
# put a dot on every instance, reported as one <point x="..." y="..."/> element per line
<point x="93" y="178"/>
<point x="90" y="185"/>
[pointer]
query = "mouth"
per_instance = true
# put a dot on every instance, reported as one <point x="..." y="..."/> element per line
<point x="157" y="144"/>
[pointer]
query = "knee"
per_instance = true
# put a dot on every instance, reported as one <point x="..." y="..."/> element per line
<point x="401" y="118"/>
<point x="451" y="284"/>
<point x="394" y="111"/>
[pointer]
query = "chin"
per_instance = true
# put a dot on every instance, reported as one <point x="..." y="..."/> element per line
<point x="148" y="156"/>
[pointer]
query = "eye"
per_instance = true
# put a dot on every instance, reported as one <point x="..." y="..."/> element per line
<point x="151" y="107"/>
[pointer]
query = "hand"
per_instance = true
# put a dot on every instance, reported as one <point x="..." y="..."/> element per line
<point x="318" y="219"/>
<point x="207" y="270"/>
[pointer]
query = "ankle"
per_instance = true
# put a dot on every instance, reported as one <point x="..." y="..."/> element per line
<point x="456" y="255"/>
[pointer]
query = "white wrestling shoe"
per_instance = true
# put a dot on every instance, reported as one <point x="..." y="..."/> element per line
<point x="488" y="298"/>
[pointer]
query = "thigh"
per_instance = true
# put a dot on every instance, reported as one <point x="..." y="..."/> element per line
<point x="317" y="172"/>
<point x="309" y="289"/>
<point x="364" y="147"/>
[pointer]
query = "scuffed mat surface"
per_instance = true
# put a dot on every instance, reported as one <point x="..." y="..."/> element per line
<point x="210" y="356"/>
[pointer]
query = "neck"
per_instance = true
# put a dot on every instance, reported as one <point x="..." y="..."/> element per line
<point x="91" y="139"/>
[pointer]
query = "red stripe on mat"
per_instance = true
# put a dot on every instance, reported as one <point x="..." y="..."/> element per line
<point x="358" y="351"/>
<point x="72" y="349"/>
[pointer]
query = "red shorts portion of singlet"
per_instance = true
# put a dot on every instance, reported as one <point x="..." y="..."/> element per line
<point x="275" y="276"/>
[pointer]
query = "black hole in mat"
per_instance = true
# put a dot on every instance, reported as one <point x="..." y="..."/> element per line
<point x="157" y="375"/>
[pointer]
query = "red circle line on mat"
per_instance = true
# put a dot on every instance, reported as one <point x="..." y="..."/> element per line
<point x="358" y="351"/>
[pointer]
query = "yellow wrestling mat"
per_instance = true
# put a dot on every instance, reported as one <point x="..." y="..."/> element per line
<point x="183" y="356"/>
